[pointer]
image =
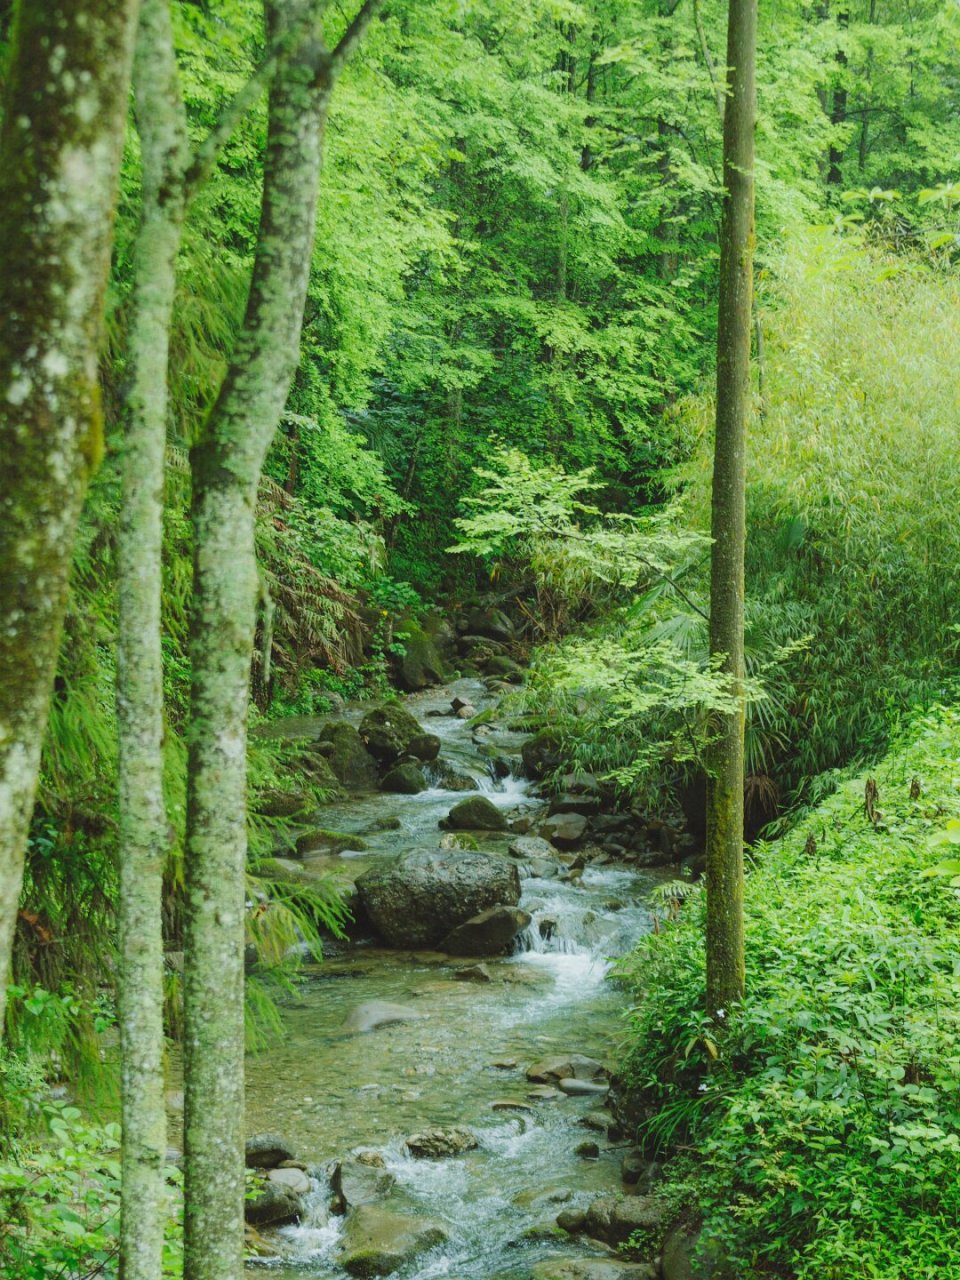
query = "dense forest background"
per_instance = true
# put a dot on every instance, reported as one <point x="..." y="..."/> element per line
<point x="514" y="285"/>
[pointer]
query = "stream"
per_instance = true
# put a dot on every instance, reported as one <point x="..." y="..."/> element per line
<point x="467" y="1047"/>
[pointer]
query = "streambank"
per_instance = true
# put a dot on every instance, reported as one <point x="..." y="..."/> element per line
<point x="460" y="1037"/>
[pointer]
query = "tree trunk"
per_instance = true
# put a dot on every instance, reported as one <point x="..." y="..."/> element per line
<point x="838" y="114"/>
<point x="226" y="473"/>
<point x="725" y="949"/>
<point x="60" y="147"/>
<point x="143" y="822"/>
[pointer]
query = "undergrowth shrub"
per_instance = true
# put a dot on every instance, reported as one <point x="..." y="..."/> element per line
<point x="825" y="1112"/>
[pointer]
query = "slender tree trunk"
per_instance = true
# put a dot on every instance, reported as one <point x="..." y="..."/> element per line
<point x="60" y="147"/>
<point x="226" y="472"/>
<point x="838" y="114"/>
<point x="143" y="822"/>
<point x="725" y="948"/>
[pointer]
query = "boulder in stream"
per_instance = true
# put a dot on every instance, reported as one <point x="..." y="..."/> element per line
<point x="405" y="780"/>
<point x="376" y="1241"/>
<point x="489" y="933"/>
<point x="274" y="1202"/>
<point x="541" y="754"/>
<point x="565" y="830"/>
<point x="571" y="1066"/>
<point x="529" y="847"/>
<point x="351" y="762"/>
<point x="421" y="663"/>
<point x="417" y="900"/>
<point x="476" y="813"/>
<point x="387" y="732"/>
<point x="266" y="1151"/>
<point x="566" y="1268"/>
<point x="425" y="747"/>
<point x="614" y="1219"/>
<point x="357" y="1181"/>
<point x="433" y="1143"/>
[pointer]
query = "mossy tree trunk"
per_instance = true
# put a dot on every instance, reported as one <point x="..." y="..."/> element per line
<point x="60" y="146"/>
<point x="725" y="943"/>
<point x="161" y="124"/>
<point x="227" y="464"/>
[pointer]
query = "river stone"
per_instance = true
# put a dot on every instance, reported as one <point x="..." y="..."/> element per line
<point x="565" y="830"/>
<point x="349" y="759"/>
<point x="573" y="1066"/>
<point x="417" y="900"/>
<point x="404" y="780"/>
<point x="420" y="664"/>
<point x="599" y="1121"/>
<point x="433" y="1143"/>
<point x="466" y="712"/>
<point x="565" y="1268"/>
<point x="491" y="623"/>
<point x="355" y="1182"/>
<point x="290" y="1177"/>
<point x="425" y="746"/>
<point x="473" y="973"/>
<point x="266" y="1151"/>
<point x="574" y="1088"/>
<point x="545" y="1093"/>
<point x="529" y="847"/>
<point x="321" y="841"/>
<point x="541" y="754"/>
<point x="489" y="933"/>
<point x="273" y="1203"/>
<point x="377" y="1242"/>
<point x="570" y="803"/>
<point x="451" y="779"/>
<point x="476" y="813"/>
<point x="275" y="803"/>
<point x="614" y="1219"/>
<point x="387" y="732"/>
<point x="378" y="1013"/>
<point x="500" y="665"/>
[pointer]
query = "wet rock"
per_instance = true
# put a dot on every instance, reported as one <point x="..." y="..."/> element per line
<point x="458" y="703"/>
<point x="322" y="841"/>
<point x="505" y="1064"/>
<point x="541" y="754"/>
<point x="599" y="1121"/>
<point x="377" y="1241"/>
<point x="476" y="813"/>
<point x="458" y="840"/>
<point x="466" y="712"/>
<point x="283" y="804"/>
<point x="473" y="973"/>
<point x="529" y="847"/>
<point x="541" y="869"/>
<point x="417" y="900"/>
<point x="434" y="1143"/>
<point x="421" y="663"/>
<point x="404" y="780"/>
<point x="349" y="759"/>
<point x="614" y="1219"/>
<point x="566" y="1268"/>
<point x="632" y="1167"/>
<point x="569" y="1067"/>
<point x="266" y="1151"/>
<point x="450" y="779"/>
<point x="272" y="1204"/>
<point x="501" y="665"/>
<point x="355" y="1181"/>
<point x="491" y="623"/>
<point x="254" y="1244"/>
<point x="488" y="933"/>
<point x="545" y="1093"/>
<point x="425" y="746"/>
<point x="572" y="1220"/>
<point x="547" y="927"/>
<point x="378" y="1013"/>
<point x="511" y="1104"/>
<point x="387" y="732"/>
<point x="388" y="823"/>
<point x="579" y="783"/>
<point x="290" y="1176"/>
<point x="587" y="1150"/>
<point x="583" y="1088"/>
<point x="565" y="830"/>
<point x="568" y="803"/>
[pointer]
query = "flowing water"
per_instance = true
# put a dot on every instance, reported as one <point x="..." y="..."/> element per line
<point x="465" y="1048"/>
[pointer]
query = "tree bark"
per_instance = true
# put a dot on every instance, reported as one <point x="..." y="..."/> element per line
<point x="725" y="944"/>
<point x="60" y="148"/>
<point x="838" y="114"/>
<point x="161" y="123"/>
<point x="226" y="466"/>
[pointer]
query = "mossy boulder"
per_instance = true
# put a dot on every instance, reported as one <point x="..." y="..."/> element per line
<point x="421" y="663"/>
<point x="489" y="933"/>
<point x="350" y="761"/>
<point x="420" y="898"/>
<point x="425" y="746"/>
<point x="323" y="841"/>
<point x="541" y="754"/>
<point x="476" y="813"/>
<point x="377" y="1241"/>
<point x="387" y="731"/>
<point x="404" y="780"/>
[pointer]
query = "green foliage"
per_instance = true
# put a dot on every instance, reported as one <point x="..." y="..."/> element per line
<point x="60" y="1198"/>
<point x="825" y="1108"/>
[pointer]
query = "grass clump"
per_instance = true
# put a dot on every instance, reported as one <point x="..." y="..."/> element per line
<point x="825" y="1112"/>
